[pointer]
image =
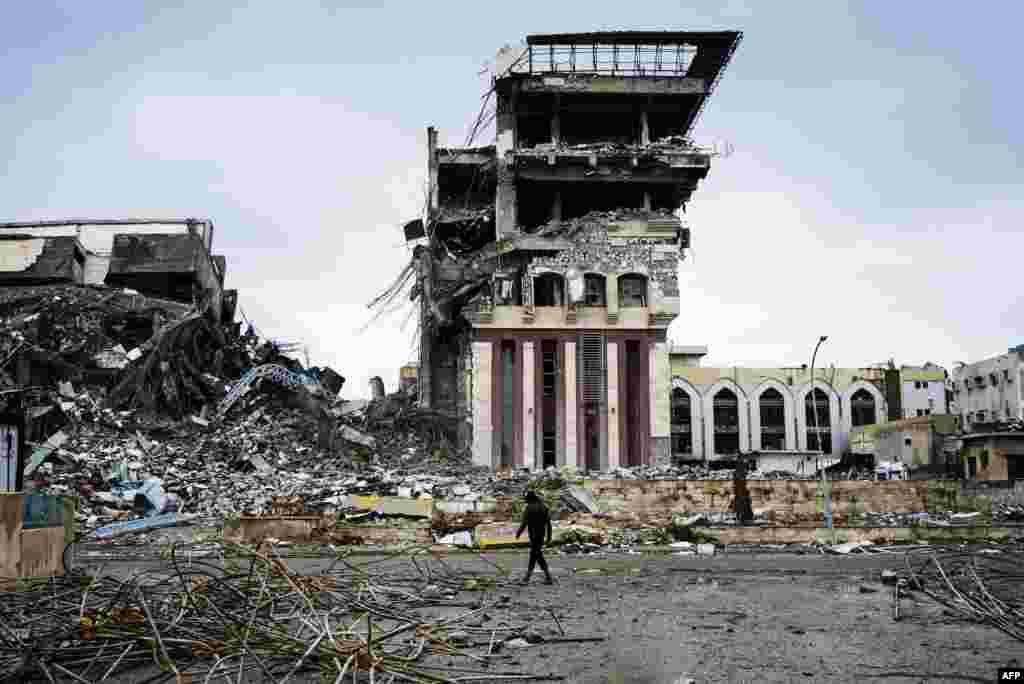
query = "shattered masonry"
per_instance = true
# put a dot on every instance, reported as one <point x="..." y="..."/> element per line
<point x="547" y="272"/>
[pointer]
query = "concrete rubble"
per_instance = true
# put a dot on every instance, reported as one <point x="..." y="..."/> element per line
<point x="233" y="430"/>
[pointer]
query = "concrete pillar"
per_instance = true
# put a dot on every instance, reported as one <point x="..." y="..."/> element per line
<point x="645" y="129"/>
<point x="505" y="201"/>
<point x="571" y="449"/>
<point x="377" y="392"/>
<point x="613" y="405"/>
<point x="556" y="207"/>
<point x="483" y="417"/>
<point x="661" y="404"/>
<point x="432" y="166"/>
<point x="505" y="214"/>
<point x="611" y="297"/>
<point x="529" y="415"/>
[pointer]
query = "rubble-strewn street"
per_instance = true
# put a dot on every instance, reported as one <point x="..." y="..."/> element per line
<point x="657" y="619"/>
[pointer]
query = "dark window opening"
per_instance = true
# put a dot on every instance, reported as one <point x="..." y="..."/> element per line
<point x="533" y="130"/>
<point x="463" y="186"/>
<point x="667" y="118"/>
<point x="682" y="422"/>
<point x="607" y="120"/>
<point x="773" y="420"/>
<point x="862" y="408"/>
<point x="508" y="361"/>
<point x="549" y="402"/>
<point x="549" y="290"/>
<point x="820" y="438"/>
<point x="972" y="467"/>
<point x="594" y="289"/>
<point x="632" y="291"/>
<point x="579" y="199"/>
<point x="549" y="361"/>
<point x="1015" y="467"/>
<point x="727" y="422"/>
<point x="534" y="204"/>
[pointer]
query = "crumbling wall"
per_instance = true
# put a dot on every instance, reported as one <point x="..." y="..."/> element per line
<point x="786" y="502"/>
<point x="595" y="250"/>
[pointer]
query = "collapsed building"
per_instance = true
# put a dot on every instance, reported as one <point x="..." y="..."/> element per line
<point x="169" y="259"/>
<point x="547" y="269"/>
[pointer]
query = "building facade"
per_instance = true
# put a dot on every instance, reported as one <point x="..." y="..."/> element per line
<point x="547" y="269"/>
<point x="926" y="443"/>
<point x="923" y="390"/>
<point x="990" y="391"/>
<point x="717" y="413"/>
<point x="993" y="456"/>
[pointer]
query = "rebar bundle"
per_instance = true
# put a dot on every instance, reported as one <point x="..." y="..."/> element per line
<point x="249" y="618"/>
<point x="986" y="585"/>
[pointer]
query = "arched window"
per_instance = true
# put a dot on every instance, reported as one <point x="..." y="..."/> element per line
<point x="773" y="420"/>
<point x="594" y="290"/>
<point x="727" y="422"/>
<point x="862" y="408"/>
<point x="682" y="424"/>
<point x="549" y="290"/>
<point x="632" y="290"/>
<point x="819" y="439"/>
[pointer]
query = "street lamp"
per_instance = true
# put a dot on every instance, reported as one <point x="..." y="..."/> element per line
<point x="814" y="397"/>
<point x="817" y="437"/>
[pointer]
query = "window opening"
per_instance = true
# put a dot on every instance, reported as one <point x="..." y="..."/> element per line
<point x="632" y="291"/>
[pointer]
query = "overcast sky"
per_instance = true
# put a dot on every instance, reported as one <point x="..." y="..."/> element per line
<point x="874" y="193"/>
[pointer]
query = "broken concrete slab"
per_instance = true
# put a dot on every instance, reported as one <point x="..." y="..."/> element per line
<point x="350" y="434"/>
<point x="499" y="535"/>
<point x="579" y="499"/>
<point x="415" y="508"/>
<point x="44" y="451"/>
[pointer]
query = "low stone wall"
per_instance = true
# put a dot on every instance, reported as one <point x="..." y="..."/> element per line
<point x="784" y="502"/>
<point x="381" y="535"/>
<point x="1004" y="493"/>
<point x="842" y="535"/>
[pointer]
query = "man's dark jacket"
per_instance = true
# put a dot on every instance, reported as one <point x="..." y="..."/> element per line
<point x="537" y="520"/>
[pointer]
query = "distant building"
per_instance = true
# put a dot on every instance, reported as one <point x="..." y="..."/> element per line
<point x="407" y="377"/>
<point x="994" y="456"/>
<point x="924" y="443"/>
<point x="989" y="391"/>
<point x="923" y="390"/>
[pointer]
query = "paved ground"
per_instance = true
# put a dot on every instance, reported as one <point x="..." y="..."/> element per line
<point x="736" y="617"/>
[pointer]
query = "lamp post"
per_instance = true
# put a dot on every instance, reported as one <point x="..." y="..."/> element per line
<point x="817" y="438"/>
<point x="814" y="397"/>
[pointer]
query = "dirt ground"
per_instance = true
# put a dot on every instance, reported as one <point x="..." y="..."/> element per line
<point x="736" y="617"/>
<point x="749" y="619"/>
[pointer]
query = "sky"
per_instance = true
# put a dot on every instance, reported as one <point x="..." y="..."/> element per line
<point x="873" y="193"/>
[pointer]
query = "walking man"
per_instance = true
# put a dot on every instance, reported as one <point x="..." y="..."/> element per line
<point x="536" y="518"/>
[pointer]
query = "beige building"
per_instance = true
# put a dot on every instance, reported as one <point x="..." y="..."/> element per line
<point x="990" y="391"/>
<point x="720" y="412"/>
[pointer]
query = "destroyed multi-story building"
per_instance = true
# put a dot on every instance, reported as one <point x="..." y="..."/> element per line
<point x="547" y="272"/>
<point x="171" y="259"/>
